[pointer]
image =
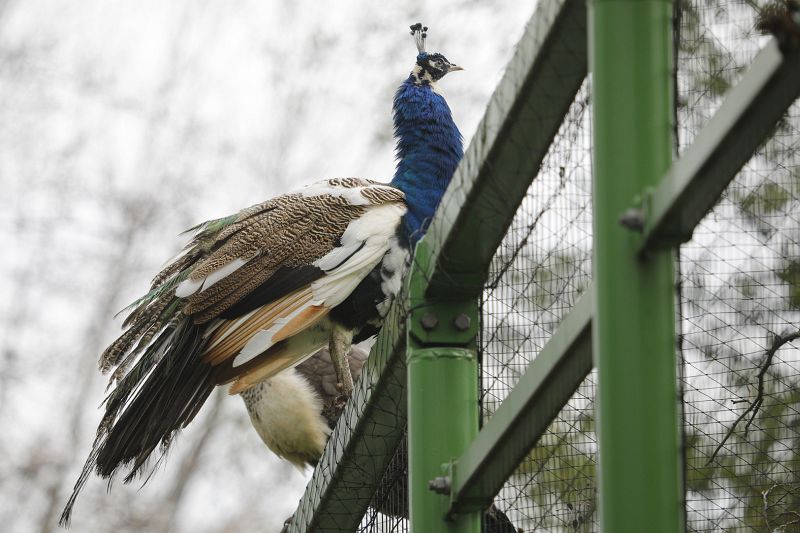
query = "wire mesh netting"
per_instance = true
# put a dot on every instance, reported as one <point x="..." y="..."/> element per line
<point x="538" y="274"/>
<point x="740" y="297"/>
<point x="739" y="310"/>
<point x="388" y="510"/>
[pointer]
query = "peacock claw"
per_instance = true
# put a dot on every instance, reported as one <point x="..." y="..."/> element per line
<point x="339" y="346"/>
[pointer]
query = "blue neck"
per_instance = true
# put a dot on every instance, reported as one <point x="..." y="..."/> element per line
<point x="429" y="148"/>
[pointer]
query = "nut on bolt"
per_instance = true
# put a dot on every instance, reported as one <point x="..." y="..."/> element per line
<point x="633" y="219"/>
<point x="429" y="321"/>
<point x="440" y="485"/>
<point x="462" y="322"/>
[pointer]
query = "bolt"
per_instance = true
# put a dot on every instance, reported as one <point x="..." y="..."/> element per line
<point x="462" y="322"/>
<point x="633" y="219"/>
<point x="440" y="485"/>
<point x="429" y="321"/>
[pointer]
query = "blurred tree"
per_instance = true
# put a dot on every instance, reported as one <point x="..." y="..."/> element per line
<point x="121" y="124"/>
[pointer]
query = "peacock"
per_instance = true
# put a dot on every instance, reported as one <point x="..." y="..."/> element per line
<point x="254" y="294"/>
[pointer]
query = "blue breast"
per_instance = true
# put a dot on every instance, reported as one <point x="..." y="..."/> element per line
<point x="429" y="147"/>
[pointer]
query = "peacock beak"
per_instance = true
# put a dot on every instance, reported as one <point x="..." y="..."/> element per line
<point x="453" y="68"/>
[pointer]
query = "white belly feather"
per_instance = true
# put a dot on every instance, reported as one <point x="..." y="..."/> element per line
<point x="286" y="413"/>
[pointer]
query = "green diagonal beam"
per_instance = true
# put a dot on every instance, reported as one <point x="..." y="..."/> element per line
<point x="503" y="158"/>
<point x="746" y="118"/>
<point x="525" y="414"/>
<point x="522" y="118"/>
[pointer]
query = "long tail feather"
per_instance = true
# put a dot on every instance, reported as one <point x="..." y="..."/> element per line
<point x="146" y="412"/>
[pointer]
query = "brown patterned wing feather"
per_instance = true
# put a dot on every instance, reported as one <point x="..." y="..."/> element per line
<point x="288" y="234"/>
<point x="241" y="279"/>
<point x="295" y="233"/>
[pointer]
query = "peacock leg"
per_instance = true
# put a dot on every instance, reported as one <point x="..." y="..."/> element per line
<point x="339" y="345"/>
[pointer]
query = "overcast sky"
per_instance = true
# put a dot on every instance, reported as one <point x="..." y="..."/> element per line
<point x="124" y="122"/>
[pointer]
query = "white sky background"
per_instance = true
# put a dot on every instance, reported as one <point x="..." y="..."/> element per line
<point x="121" y="124"/>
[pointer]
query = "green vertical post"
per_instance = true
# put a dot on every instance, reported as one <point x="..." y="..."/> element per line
<point x="630" y="58"/>
<point x="442" y="398"/>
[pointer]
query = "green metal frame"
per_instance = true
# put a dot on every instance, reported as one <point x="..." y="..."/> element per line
<point x="442" y="361"/>
<point x="759" y="99"/>
<point x="452" y="262"/>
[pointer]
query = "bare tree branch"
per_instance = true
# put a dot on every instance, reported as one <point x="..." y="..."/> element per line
<point x="755" y="405"/>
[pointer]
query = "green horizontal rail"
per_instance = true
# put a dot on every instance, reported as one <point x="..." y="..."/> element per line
<point x="547" y="384"/>
<point x="746" y="119"/>
<point x="503" y="158"/>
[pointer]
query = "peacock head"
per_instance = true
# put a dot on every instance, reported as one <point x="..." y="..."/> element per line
<point x="432" y="67"/>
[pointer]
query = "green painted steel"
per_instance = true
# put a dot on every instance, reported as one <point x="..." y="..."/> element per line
<point x="451" y="262"/>
<point x="442" y="363"/>
<point x="694" y="183"/>
<point x="634" y="326"/>
<point x="632" y="317"/>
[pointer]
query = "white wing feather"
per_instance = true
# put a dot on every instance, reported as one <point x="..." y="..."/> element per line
<point x="364" y="243"/>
